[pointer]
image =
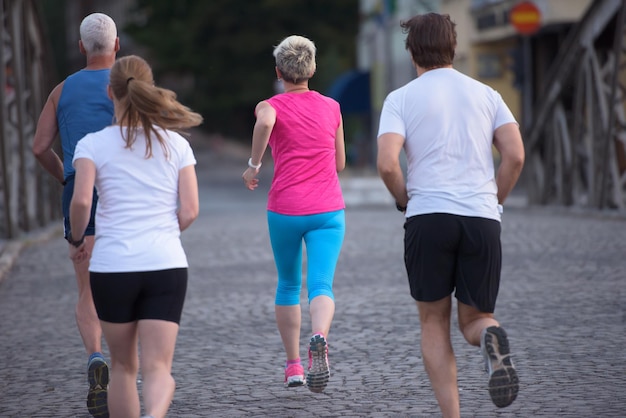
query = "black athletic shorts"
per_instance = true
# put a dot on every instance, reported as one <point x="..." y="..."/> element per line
<point x="129" y="297"/>
<point x="66" y="199"/>
<point x="445" y="252"/>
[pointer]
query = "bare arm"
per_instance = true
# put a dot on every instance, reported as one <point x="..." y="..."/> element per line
<point x="340" y="148"/>
<point x="388" y="163"/>
<point x="47" y="130"/>
<point x="80" y="207"/>
<point x="188" y="196"/>
<point x="508" y="141"/>
<point x="265" y="120"/>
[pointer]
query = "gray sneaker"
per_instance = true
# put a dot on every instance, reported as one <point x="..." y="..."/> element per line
<point x="318" y="371"/>
<point x="98" y="376"/>
<point x="503" y="381"/>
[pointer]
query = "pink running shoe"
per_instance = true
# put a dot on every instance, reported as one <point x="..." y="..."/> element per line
<point x="294" y="375"/>
<point x="319" y="371"/>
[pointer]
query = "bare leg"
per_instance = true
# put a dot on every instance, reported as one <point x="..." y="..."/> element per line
<point x="86" y="317"/>
<point x="322" y="310"/>
<point x="123" y="398"/>
<point x="503" y="382"/>
<point x="438" y="354"/>
<point x="288" y="320"/>
<point x="158" y="340"/>
<point x="472" y="322"/>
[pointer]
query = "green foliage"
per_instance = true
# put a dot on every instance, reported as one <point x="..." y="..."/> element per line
<point x="53" y="18"/>
<point x="223" y="49"/>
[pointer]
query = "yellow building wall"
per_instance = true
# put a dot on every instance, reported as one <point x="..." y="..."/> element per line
<point x="468" y="54"/>
<point x="504" y="83"/>
<point x="493" y="45"/>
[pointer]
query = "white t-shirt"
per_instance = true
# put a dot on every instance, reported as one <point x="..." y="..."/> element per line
<point x="136" y="224"/>
<point x="448" y="120"/>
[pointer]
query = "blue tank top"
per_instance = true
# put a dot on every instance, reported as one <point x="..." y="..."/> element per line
<point x="84" y="107"/>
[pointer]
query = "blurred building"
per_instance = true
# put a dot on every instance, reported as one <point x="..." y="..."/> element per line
<point x="564" y="79"/>
<point x="489" y="48"/>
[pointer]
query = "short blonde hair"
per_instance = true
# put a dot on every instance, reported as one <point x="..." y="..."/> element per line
<point x="295" y="58"/>
<point x="98" y="33"/>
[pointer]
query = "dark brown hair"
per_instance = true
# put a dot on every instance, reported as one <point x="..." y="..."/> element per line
<point x="431" y="39"/>
<point x="146" y="106"/>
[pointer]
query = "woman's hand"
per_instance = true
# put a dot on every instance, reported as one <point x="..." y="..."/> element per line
<point x="79" y="254"/>
<point x="249" y="178"/>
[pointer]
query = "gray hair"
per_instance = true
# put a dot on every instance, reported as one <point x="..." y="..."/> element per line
<point x="295" y="58"/>
<point x="98" y="34"/>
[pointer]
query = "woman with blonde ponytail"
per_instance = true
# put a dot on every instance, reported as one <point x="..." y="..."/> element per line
<point x="144" y="173"/>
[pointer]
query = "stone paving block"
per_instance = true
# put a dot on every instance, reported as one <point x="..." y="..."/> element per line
<point x="561" y="301"/>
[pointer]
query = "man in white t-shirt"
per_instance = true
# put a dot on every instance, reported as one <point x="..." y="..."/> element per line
<point x="452" y="198"/>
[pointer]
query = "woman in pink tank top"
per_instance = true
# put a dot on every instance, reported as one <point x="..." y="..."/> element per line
<point x="304" y="130"/>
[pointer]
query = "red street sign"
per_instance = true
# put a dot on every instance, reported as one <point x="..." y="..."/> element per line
<point x="525" y="17"/>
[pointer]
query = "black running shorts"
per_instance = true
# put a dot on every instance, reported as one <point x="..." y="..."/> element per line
<point x="66" y="200"/>
<point x="129" y="297"/>
<point x="445" y="253"/>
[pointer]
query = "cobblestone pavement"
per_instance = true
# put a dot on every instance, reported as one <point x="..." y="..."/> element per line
<point x="561" y="301"/>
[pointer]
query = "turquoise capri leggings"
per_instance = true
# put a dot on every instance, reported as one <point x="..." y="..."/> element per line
<point x="323" y="235"/>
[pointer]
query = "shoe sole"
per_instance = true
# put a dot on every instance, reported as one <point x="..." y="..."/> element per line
<point x="98" y="376"/>
<point x="295" y="383"/>
<point x="319" y="372"/>
<point x="503" y="380"/>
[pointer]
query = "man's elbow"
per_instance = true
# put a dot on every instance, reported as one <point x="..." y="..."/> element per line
<point x="385" y="168"/>
<point x="37" y="150"/>
<point x="517" y="161"/>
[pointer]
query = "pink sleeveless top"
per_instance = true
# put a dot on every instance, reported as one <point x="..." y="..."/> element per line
<point x="303" y="148"/>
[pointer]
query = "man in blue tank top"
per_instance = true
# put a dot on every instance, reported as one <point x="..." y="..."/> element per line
<point x="78" y="106"/>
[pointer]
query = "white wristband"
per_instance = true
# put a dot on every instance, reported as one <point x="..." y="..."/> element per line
<point x="256" y="167"/>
